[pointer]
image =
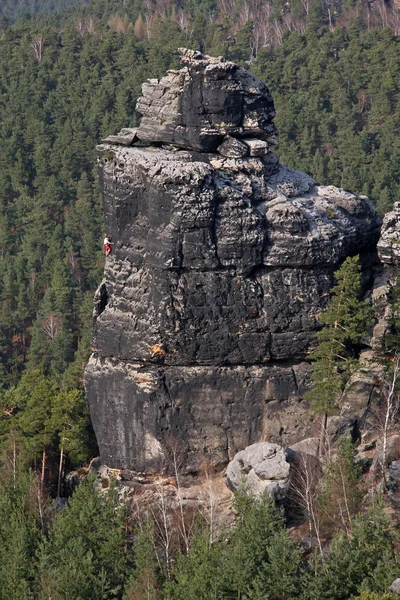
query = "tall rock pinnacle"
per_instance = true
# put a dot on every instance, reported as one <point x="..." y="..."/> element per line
<point x="223" y="259"/>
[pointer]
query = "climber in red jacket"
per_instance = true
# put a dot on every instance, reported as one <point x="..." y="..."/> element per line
<point x="107" y="244"/>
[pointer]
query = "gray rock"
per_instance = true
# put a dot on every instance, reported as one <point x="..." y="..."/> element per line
<point x="392" y="451"/>
<point x="394" y="470"/>
<point x="220" y="267"/>
<point x="389" y="242"/>
<point x="126" y="137"/>
<point x="395" y="587"/>
<point x="260" y="468"/>
<point x="233" y="148"/>
<point x="308" y="446"/>
<point x="256" y="147"/>
<point x="207" y="99"/>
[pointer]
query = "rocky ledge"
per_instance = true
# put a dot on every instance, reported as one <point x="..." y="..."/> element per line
<point x="223" y="260"/>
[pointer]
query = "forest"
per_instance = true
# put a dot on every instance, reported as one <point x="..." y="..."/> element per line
<point x="70" y="74"/>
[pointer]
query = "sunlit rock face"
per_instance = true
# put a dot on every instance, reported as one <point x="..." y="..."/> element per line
<point x="222" y="261"/>
<point x="389" y="242"/>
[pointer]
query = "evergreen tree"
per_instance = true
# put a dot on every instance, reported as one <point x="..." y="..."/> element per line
<point x="144" y="582"/>
<point x="346" y="321"/>
<point x="20" y="528"/>
<point x="197" y="575"/>
<point x="85" y="556"/>
<point x="341" y="491"/>
<point x="354" y="565"/>
<point x="253" y="563"/>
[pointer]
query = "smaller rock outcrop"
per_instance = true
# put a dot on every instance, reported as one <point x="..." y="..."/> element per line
<point x="260" y="468"/>
<point x="389" y="242"/>
<point x="197" y="106"/>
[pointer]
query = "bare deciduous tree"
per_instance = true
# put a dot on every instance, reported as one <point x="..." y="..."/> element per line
<point x="90" y="24"/>
<point x="183" y="22"/>
<point x="51" y="325"/>
<point x="37" y="46"/>
<point x="387" y="410"/>
<point x="305" y="476"/>
<point x="163" y="527"/>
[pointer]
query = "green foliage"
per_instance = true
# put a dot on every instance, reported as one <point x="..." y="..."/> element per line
<point x="15" y="9"/>
<point x="256" y="560"/>
<point x="20" y="528"/>
<point x="354" y="564"/>
<point x="374" y="596"/>
<point x="46" y="418"/>
<point x="346" y="320"/>
<point x="259" y="522"/>
<point x="341" y="490"/>
<point x="197" y="575"/>
<point x="145" y="581"/>
<point x="85" y="555"/>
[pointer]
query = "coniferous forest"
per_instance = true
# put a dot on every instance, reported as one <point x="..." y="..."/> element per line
<point x="70" y="74"/>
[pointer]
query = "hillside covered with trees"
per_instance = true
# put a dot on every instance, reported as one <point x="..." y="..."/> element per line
<point x="67" y="79"/>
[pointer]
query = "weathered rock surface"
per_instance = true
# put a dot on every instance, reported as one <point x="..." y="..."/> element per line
<point x="389" y="242"/>
<point x="260" y="468"/>
<point x="198" y="105"/>
<point x="221" y="265"/>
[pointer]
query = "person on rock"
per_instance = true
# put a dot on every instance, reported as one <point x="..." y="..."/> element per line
<point x="107" y="244"/>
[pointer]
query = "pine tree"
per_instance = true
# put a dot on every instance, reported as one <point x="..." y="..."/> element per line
<point x="364" y="559"/>
<point x="144" y="583"/>
<point x="341" y="491"/>
<point x="346" y="321"/>
<point x="21" y="523"/>
<point x="85" y="555"/>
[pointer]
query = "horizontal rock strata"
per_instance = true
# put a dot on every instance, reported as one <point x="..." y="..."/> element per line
<point x="222" y="261"/>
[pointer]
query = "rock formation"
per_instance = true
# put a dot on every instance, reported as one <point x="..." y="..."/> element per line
<point x="223" y="259"/>
<point x="261" y="467"/>
<point x="389" y="242"/>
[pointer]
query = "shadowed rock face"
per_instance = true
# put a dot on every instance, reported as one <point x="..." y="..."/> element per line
<point x="221" y="264"/>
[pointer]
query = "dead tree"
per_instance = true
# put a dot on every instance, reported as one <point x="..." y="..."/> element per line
<point x="37" y="46"/>
<point x="305" y="476"/>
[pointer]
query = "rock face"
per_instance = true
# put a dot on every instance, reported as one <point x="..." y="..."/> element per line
<point x="389" y="243"/>
<point x="223" y="259"/>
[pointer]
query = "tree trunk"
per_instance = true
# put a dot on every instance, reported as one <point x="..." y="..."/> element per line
<point x="43" y="465"/>
<point x="60" y="470"/>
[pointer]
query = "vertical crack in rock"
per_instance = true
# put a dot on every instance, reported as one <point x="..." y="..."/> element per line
<point x="223" y="260"/>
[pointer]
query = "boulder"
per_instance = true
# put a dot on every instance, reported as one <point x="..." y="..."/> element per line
<point x="395" y="587"/>
<point x="260" y="468"/>
<point x="392" y="452"/>
<point x="309" y="446"/>
<point x="233" y="148"/>
<point x="394" y="472"/>
<point x="126" y="137"/>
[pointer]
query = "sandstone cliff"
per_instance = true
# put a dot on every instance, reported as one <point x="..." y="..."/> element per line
<point x="223" y="259"/>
